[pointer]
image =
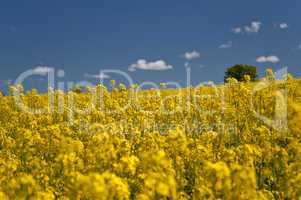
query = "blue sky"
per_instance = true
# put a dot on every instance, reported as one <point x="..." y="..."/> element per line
<point x="83" y="37"/>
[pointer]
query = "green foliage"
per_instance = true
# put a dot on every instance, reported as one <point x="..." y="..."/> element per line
<point x="239" y="72"/>
<point x="78" y="89"/>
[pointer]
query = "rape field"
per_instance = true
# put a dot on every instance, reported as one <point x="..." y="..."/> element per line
<point x="210" y="142"/>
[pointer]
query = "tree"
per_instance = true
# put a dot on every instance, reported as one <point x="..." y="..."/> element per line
<point x="239" y="71"/>
<point x="77" y="89"/>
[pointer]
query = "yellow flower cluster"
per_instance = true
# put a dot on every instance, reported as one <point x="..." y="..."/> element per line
<point x="233" y="141"/>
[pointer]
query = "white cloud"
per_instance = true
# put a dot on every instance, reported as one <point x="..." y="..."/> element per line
<point x="237" y="30"/>
<point x="144" y="65"/>
<point x="226" y="45"/>
<point x="191" y="55"/>
<point x="254" y="27"/>
<point x="283" y="25"/>
<point x="271" y="59"/>
<point x="97" y="76"/>
<point x="299" y="46"/>
<point x="42" y="70"/>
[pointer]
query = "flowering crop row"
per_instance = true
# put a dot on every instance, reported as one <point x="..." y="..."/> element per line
<point x="193" y="143"/>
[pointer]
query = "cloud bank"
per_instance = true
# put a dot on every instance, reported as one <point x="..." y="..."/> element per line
<point x="283" y="25"/>
<point x="237" y="30"/>
<point x="191" y="55"/>
<point x="227" y="45"/>
<point x="271" y="59"/>
<point x="142" y="64"/>
<point x="254" y="27"/>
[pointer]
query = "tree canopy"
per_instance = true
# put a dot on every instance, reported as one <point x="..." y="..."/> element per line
<point x="240" y="71"/>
